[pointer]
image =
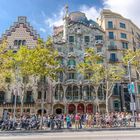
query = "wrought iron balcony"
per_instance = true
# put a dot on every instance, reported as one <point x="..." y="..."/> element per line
<point x="113" y="60"/>
<point x="112" y="47"/>
<point x="71" y="67"/>
<point x="99" y="42"/>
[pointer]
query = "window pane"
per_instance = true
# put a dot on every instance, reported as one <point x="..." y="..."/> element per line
<point x="123" y="35"/>
<point x="139" y="89"/>
<point x="110" y="24"/>
<point x="99" y="37"/>
<point x="122" y="25"/>
<point x="125" y="45"/>
<point x="87" y="39"/>
<point x="111" y="35"/>
<point x="71" y="39"/>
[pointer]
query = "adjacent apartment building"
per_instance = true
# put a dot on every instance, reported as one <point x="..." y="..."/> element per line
<point x="121" y="34"/>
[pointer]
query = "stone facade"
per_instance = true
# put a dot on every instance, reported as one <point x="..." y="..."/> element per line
<point x="22" y="33"/>
<point x="74" y="92"/>
<point x="121" y="34"/>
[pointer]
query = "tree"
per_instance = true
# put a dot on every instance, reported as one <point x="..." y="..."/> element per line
<point x="4" y="57"/>
<point x="102" y="73"/>
<point x="92" y="65"/>
<point x="112" y="74"/>
<point x="37" y="63"/>
<point x="41" y="63"/>
<point x="134" y="56"/>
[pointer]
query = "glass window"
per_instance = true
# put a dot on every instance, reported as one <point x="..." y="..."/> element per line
<point x="110" y="24"/>
<point x="15" y="43"/>
<point x="86" y="39"/>
<point x="98" y="37"/>
<point x="123" y="35"/>
<point x="71" y="62"/>
<point x="125" y="45"/>
<point x="111" y="35"/>
<point x="19" y="42"/>
<point x="116" y="104"/>
<point x="23" y="42"/>
<point x="122" y="25"/>
<point x="116" y="89"/>
<point x="71" y="39"/>
<point x="39" y="95"/>
<point x="138" y="89"/>
<point x="113" y="56"/>
<point x="1" y="96"/>
<point x="71" y="75"/>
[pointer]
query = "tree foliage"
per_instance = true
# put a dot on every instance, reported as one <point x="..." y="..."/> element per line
<point x="100" y="73"/>
<point x="134" y="57"/>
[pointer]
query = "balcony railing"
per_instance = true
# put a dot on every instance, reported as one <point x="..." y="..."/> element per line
<point x="78" y="98"/>
<point x="112" y="47"/>
<point x="113" y="60"/>
<point x="71" y="81"/>
<point x="99" y="42"/>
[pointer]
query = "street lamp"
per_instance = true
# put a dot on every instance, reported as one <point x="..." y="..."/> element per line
<point x="131" y="96"/>
<point x="16" y="93"/>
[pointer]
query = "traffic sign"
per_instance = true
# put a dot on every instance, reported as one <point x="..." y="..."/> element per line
<point x="132" y="106"/>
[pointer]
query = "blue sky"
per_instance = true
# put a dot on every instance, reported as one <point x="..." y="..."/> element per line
<point x="37" y="11"/>
<point x="43" y="14"/>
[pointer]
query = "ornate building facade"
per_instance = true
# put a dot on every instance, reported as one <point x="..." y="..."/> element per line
<point x="74" y="92"/>
<point x="22" y="33"/>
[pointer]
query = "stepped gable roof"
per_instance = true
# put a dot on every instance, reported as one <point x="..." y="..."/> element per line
<point x="21" y="20"/>
<point x="79" y="17"/>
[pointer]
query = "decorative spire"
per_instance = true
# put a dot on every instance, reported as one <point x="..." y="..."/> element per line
<point x="66" y="12"/>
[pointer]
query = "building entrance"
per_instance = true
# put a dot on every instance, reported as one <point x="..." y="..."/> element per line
<point x="58" y="111"/>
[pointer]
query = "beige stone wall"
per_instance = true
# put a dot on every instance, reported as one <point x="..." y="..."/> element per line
<point x="21" y="34"/>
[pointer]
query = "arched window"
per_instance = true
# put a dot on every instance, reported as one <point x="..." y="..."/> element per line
<point x="71" y="62"/>
<point x="75" y="93"/>
<point x="23" y="42"/>
<point x="116" y="89"/>
<point x="86" y="92"/>
<point x="69" y="93"/>
<point x="15" y="43"/>
<point x="101" y="92"/>
<point x="2" y="93"/>
<point x="29" y="97"/>
<point x="59" y="93"/>
<point x="19" y="42"/>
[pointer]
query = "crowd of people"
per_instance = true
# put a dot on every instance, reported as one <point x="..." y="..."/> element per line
<point x="77" y="121"/>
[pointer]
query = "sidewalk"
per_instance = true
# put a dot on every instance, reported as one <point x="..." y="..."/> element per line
<point x="76" y="130"/>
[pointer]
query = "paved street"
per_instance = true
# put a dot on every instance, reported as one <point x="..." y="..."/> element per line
<point x="96" y="135"/>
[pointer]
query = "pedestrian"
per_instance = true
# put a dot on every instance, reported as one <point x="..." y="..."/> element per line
<point x="77" y="119"/>
<point x="68" y="121"/>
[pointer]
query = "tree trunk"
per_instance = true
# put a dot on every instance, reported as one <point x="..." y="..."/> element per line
<point x="42" y="105"/>
<point x="97" y="103"/>
<point x="107" y="92"/>
<point x="22" y="102"/>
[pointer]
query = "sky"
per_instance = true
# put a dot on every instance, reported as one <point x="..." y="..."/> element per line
<point x="44" y="14"/>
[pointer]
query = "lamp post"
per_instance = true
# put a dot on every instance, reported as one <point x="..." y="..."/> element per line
<point x="131" y="96"/>
<point x="16" y="92"/>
